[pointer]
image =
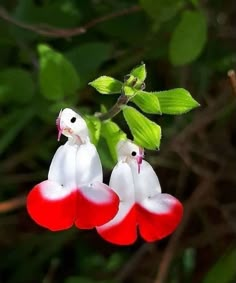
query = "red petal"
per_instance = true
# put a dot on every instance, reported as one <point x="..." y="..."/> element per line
<point x="96" y="205"/>
<point x="122" y="233"/>
<point x="56" y="212"/>
<point x="155" y="226"/>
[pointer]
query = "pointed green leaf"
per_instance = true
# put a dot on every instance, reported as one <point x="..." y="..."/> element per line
<point x="188" y="38"/>
<point x="139" y="72"/>
<point x="94" y="126"/>
<point x="145" y="132"/>
<point x="112" y="134"/>
<point x="107" y="85"/>
<point x="147" y="102"/>
<point x="57" y="76"/>
<point x="175" y="101"/>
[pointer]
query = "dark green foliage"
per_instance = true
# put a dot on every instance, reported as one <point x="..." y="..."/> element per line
<point x="186" y="45"/>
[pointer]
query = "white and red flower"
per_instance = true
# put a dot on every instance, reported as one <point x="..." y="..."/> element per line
<point x="142" y="205"/>
<point x="74" y="192"/>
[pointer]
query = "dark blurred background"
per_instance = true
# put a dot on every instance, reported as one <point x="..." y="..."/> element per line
<point x="184" y="43"/>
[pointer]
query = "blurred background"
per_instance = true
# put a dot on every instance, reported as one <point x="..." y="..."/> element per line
<point x="184" y="43"/>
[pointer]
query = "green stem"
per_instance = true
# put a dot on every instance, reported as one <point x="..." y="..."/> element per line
<point x="115" y="109"/>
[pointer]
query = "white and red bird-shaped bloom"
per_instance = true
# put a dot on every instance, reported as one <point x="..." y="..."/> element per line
<point x="74" y="192"/>
<point x="142" y="205"/>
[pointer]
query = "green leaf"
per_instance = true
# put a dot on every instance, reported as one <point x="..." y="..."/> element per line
<point x="88" y="57"/>
<point x="57" y="76"/>
<point x="139" y="72"/>
<point x="188" y="38"/>
<point x="24" y="117"/>
<point x="125" y="29"/>
<point x="16" y="85"/>
<point x="224" y="270"/>
<point x="145" y="132"/>
<point x="65" y="15"/>
<point x="147" y="102"/>
<point x="129" y="91"/>
<point x="107" y="85"/>
<point x="161" y="10"/>
<point x="176" y="101"/>
<point x="94" y="126"/>
<point x="112" y="134"/>
<point x="104" y="153"/>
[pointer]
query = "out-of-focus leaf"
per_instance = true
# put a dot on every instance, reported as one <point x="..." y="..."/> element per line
<point x="55" y="243"/>
<point x="161" y="10"/>
<point x="16" y="85"/>
<point x="224" y="270"/>
<point x="112" y="134"/>
<point x="88" y="57"/>
<point x="94" y="125"/>
<point x="80" y="279"/>
<point x="146" y="133"/>
<point x="189" y="260"/>
<point x="114" y="262"/>
<point x="106" y="85"/>
<point x="65" y="14"/>
<point x="13" y="130"/>
<point x="175" y="101"/>
<point x="188" y="38"/>
<point x="126" y="29"/>
<point x="57" y="76"/>
<point x="139" y="72"/>
<point x="147" y="102"/>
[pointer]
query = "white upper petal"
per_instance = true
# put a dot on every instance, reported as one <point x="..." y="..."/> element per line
<point x="122" y="182"/>
<point x="146" y="182"/>
<point x="88" y="165"/>
<point x="74" y="165"/>
<point x="62" y="168"/>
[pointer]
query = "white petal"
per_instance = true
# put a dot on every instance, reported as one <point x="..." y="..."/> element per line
<point x="51" y="190"/>
<point x="146" y="182"/>
<point x="159" y="203"/>
<point x="88" y="164"/>
<point x="62" y="168"/>
<point x="98" y="193"/>
<point x="121" y="182"/>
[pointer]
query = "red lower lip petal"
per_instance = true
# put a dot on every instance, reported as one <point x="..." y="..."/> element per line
<point x="58" y="214"/>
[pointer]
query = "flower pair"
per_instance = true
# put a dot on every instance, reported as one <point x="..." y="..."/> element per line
<point x="75" y="194"/>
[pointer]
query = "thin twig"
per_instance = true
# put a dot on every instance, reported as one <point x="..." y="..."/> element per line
<point x="12" y="204"/>
<point x="232" y="78"/>
<point x="64" y="33"/>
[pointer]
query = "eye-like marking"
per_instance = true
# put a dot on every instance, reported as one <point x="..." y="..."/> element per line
<point x="133" y="153"/>
<point x="73" y="119"/>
